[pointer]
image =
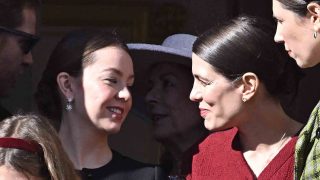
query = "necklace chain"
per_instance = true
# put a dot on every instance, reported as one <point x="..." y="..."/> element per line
<point x="271" y="156"/>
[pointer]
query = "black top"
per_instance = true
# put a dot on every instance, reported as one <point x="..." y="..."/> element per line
<point x="123" y="168"/>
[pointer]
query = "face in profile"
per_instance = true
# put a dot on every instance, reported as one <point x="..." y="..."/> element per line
<point x="13" y="57"/>
<point x="102" y="96"/>
<point x="219" y="99"/>
<point x="171" y="111"/>
<point x="296" y="33"/>
<point x="7" y="172"/>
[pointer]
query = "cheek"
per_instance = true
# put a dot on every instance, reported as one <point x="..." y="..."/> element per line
<point x="287" y="33"/>
<point x="211" y="96"/>
<point x="170" y="97"/>
<point x="129" y="104"/>
<point x="231" y="105"/>
<point x="98" y="95"/>
<point x="224" y="102"/>
<point x="295" y="37"/>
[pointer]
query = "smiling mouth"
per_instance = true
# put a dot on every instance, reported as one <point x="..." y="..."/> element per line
<point x="116" y="110"/>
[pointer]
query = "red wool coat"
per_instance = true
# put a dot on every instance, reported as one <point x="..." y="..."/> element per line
<point x="220" y="158"/>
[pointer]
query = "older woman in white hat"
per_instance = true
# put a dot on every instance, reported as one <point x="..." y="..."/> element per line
<point x="163" y="82"/>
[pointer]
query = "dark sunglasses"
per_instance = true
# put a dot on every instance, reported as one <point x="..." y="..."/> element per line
<point x="27" y="42"/>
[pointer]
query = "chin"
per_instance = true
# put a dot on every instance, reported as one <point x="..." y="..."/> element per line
<point x="208" y="125"/>
<point x="306" y="63"/>
<point x="214" y="127"/>
<point x="160" y="136"/>
<point x="112" y="130"/>
<point x="303" y="65"/>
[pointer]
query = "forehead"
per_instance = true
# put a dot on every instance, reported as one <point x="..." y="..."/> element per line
<point x="276" y="7"/>
<point x="111" y="58"/>
<point x="200" y="65"/>
<point x="279" y="10"/>
<point x="291" y="18"/>
<point x="29" y="21"/>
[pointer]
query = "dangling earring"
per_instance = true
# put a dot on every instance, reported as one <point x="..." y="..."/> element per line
<point x="244" y="99"/>
<point x="69" y="105"/>
<point x="315" y="34"/>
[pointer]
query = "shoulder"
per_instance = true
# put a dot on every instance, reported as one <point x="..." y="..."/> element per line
<point x="133" y="169"/>
<point x="127" y="162"/>
<point x="219" y="157"/>
<point x="217" y="147"/>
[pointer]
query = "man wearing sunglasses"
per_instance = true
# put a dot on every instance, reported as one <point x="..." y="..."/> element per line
<point x="18" y="19"/>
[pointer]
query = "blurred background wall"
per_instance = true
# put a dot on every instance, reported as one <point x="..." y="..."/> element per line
<point x="147" y="21"/>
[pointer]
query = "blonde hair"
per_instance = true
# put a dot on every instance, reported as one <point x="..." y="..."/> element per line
<point x="52" y="163"/>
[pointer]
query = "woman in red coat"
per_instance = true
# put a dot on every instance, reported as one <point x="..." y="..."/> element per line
<point x="239" y="78"/>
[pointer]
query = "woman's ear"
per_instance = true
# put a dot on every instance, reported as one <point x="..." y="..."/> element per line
<point x="250" y="84"/>
<point x="64" y="81"/>
<point x="314" y="11"/>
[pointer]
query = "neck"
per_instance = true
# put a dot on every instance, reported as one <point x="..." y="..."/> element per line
<point x="266" y="125"/>
<point x="266" y="131"/>
<point x="86" y="146"/>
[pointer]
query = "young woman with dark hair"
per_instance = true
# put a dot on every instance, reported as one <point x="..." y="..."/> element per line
<point x="298" y="28"/>
<point x="85" y="90"/>
<point x="239" y="77"/>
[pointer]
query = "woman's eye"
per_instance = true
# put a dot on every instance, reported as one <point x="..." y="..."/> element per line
<point x="167" y="83"/>
<point x="278" y="21"/>
<point x="203" y="83"/>
<point x="111" y="81"/>
<point x="206" y="83"/>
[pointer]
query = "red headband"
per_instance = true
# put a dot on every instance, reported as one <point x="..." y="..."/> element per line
<point x="9" y="142"/>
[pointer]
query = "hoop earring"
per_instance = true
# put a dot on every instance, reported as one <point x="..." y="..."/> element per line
<point x="69" y="104"/>
<point x="244" y="99"/>
<point x="315" y="34"/>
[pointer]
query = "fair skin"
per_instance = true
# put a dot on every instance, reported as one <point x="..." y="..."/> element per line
<point x="218" y="103"/>
<point x="12" y="58"/>
<point x="175" y="118"/>
<point x="263" y="127"/>
<point x="101" y="102"/>
<point x="296" y="33"/>
<point x="8" y="172"/>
